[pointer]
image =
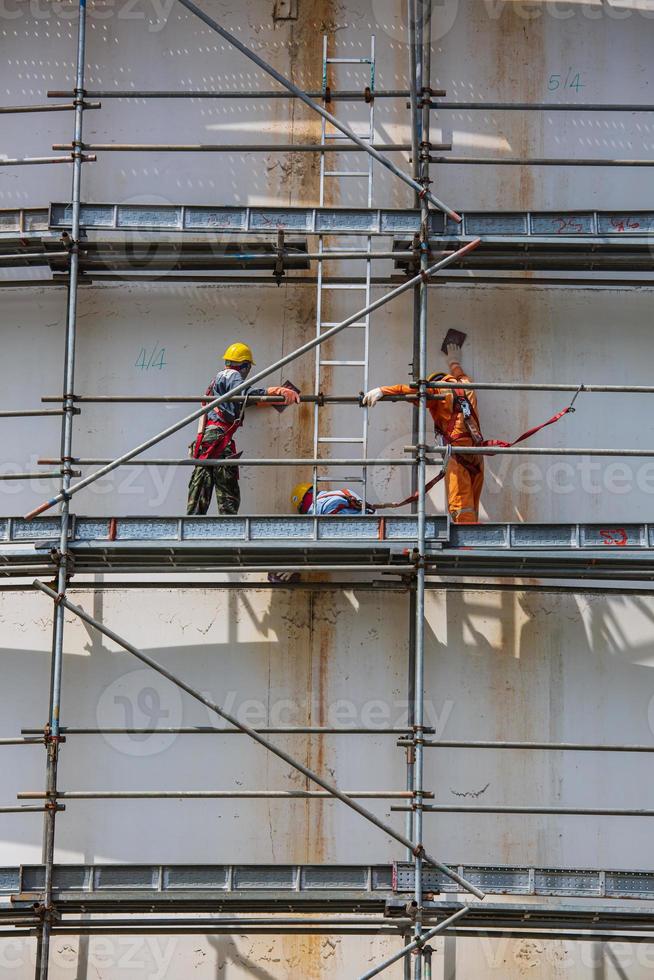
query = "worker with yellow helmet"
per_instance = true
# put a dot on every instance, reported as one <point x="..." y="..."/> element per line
<point x="344" y="502"/>
<point x="216" y="430"/>
<point x="456" y="422"/>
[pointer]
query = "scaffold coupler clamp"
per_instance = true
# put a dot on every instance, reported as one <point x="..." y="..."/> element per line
<point x="50" y="739"/>
<point x="418" y="734"/>
<point x="51" y="803"/>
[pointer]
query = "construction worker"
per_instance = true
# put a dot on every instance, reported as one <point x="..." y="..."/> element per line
<point x="456" y="422"/>
<point x="343" y="502"/>
<point x="216" y="430"/>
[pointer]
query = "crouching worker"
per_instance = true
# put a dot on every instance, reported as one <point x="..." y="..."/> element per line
<point x="216" y="430"/>
<point x="344" y="502"/>
<point x="456" y="422"/>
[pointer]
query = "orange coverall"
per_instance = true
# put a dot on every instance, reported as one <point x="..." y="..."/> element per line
<point x="464" y="478"/>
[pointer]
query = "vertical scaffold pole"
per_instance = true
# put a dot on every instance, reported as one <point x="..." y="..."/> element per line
<point x="414" y="34"/>
<point x="52" y="739"/>
<point x="424" y="51"/>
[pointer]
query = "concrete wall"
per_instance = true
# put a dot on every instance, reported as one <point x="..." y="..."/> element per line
<point x="524" y="665"/>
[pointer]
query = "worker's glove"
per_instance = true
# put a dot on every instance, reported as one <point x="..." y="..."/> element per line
<point x="290" y="397"/>
<point x="453" y="354"/>
<point x="372" y="397"/>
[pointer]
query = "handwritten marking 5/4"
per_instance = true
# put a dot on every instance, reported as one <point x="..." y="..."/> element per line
<point x="572" y="80"/>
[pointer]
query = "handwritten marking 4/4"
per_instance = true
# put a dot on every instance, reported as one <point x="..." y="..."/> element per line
<point x="156" y="358"/>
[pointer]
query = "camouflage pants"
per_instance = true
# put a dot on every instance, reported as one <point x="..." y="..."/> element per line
<point x="224" y="479"/>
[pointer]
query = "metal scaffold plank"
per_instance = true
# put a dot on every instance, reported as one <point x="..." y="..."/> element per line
<point x="183" y="885"/>
<point x="529" y="225"/>
<point x="621" y="551"/>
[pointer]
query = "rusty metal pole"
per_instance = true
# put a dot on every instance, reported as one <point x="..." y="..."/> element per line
<point x="53" y="733"/>
<point x="424" y="16"/>
<point x="414" y="30"/>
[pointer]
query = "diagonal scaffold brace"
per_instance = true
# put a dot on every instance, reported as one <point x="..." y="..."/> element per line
<point x="422" y="276"/>
<point x="421" y="191"/>
<point x="416" y="944"/>
<point x="416" y="848"/>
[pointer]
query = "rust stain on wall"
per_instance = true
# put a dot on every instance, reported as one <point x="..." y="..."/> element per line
<point x="306" y="956"/>
<point x="514" y="49"/>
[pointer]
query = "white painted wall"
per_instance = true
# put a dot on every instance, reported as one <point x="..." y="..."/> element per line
<point x="498" y="665"/>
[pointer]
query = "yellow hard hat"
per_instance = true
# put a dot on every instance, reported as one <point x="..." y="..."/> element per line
<point x="298" y="493"/>
<point x="238" y="353"/>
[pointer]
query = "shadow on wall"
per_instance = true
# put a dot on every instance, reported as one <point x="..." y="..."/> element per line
<point x="227" y="951"/>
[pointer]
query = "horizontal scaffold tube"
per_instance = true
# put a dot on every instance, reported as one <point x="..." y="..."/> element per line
<point x="415" y="847"/>
<point x="583" y="389"/>
<point x="218" y="794"/>
<point x="530" y="746"/>
<point x="559" y="811"/>
<point x="29" y="809"/>
<point x="537" y="451"/>
<point x="520" y="106"/>
<point x="240" y="147"/>
<point x="50" y="107"/>
<point x="31" y="476"/>
<point x="207" y="730"/>
<point x="251" y="399"/>
<point x="254" y="94"/>
<point x="235" y="462"/>
<point x="533" y="162"/>
<point x="259" y="376"/>
<point x="29" y="161"/>
<point x="18" y="414"/>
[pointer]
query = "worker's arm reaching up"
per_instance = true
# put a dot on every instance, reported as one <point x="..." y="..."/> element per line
<point x="456" y="371"/>
<point x="454" y="363"/>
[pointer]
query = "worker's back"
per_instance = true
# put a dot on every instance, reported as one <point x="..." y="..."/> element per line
<point x="336" y="502"/>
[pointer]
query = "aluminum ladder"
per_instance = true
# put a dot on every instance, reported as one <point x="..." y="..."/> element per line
<point x="359" y="296"/>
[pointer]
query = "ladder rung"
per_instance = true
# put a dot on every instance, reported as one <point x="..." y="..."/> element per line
<point x="336" y="323"/>
<point x="349" y="441"/>
<point x="346" y="173"/>
<point x="340" y="136"/>
<point x="348" y="61"/>
<point x="343" y="479"/>
<point x="343" y="285"/>
<point x="343" y="363"/>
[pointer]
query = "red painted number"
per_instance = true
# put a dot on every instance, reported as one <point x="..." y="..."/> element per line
<point x="614" y="537"/>
<point x="567" y="224"/>
<point x="624" y="224"/>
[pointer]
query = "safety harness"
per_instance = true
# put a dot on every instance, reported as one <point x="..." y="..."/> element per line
<point x="214" y="448"/>
<point x="463" y="407"/>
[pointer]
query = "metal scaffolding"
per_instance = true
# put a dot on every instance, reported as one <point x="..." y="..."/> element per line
<point x="402" y="901"/>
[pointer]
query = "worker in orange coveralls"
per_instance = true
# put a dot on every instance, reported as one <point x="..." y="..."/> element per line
<point x="456" y="422"/>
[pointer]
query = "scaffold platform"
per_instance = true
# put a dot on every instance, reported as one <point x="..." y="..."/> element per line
<point x="176" y="237"/>
<point x="382" y="889"/>
<point x="620" y="551"/>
